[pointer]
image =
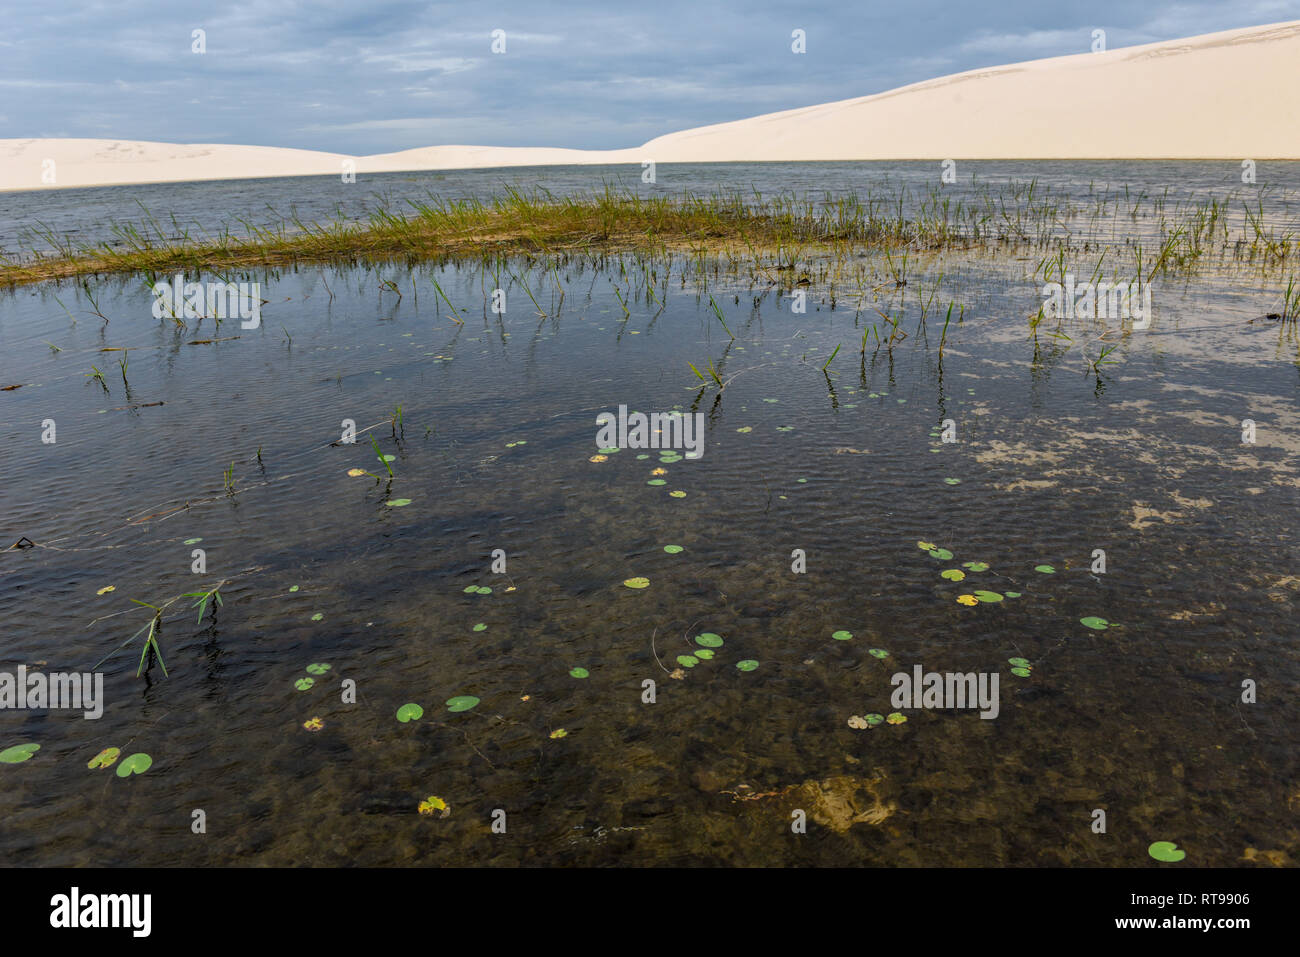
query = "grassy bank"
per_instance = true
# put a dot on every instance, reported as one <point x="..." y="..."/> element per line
<point x="782" y="230"/>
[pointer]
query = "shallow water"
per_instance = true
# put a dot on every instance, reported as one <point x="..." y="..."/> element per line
<point x="1146" y="461"/>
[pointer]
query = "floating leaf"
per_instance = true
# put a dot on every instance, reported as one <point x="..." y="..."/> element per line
<point x="1012" y="594"/>
<point x="926" y="546"/>
<point x="410" y="712"/>
<point x="1045" y="569"/>
<point x="462" y="702"/>
<point x="192" y="541"/>
<point x="137" y="763"/>
<point x="857" y="722"/>
<point x="433" y="805"/>
<point x="293" y="588"/>
<point x="483" y="590"/>
<point x="104" y="759"/>
<point x="677" y="494"/>
<point x="967" y="600"/>
<point x="1021" y="672"/>
<point x="704" y="654"/>
<point x="638" y="582"/>
<point x="657" y="482"/>
<point x="480" y="627"/>
<point x="673" y="549"/>
<point x="988" y="596"/>
<point x="687" y="661"/>
<point x="1019" y="662"/>
<point x="975" y="566"/>
<point x="313" y="724"/>
<point x="878" y="652"/>
<point x="1096" y="624"/>
<point x="304" y="684"/>
<point x="318" y="616"/>
<point x="941" y="553"/>
<point x="18" y="753"/>
<point x="749" y="664"/>
<point x="874" y="719"/>
<point x="579" y="672"/>
<point x="952" y="574"/>
<point x="895" y="718"/>
<point x="745" y="428"/>
<point x="605" y="458"/>
<point x="1166" y="851"/>
<point x="709" y="640"/>
<point x="842" y="635"/>
<point x="559" y="733"/>
<point x="471" y="589"/>
<point x="952" y="481"/>
<point x="352" y="473"/>
<point x="317" y="669"/>
<point x="397" y="502"/>
<point x="106" y="589"/>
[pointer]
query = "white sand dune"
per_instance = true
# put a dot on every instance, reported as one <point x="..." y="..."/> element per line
<point x="1231" y="95"/>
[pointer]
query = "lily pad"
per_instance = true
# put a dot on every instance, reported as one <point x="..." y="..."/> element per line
<point x="137" y="763"/>
<point x="842" y="635"/>
<point x="192" y="541"/>
<point x="480" y="627"/>
<point x="318" y="616"/>
<point x="433" y="805"/>
<point x="18" y="753"/>
<point x="657" y="482"/>
<point x="1012" y="594"/>
<point x="1096" y="624"/>
<point x="895" y="718"/>
<point x="397" y="502"/>
<point x="878" y="652"/>
<point x="483" y="590"/>
<point x="317" y="668"/>
<point x="673" y="549"/>
<point x="462" y="702"/>
<point x="952" y="574"/>
<point x="709" y="640"/>
<point x="952" y="481"/>
<point x="1166" y="851"/>
<point x="1021" y="672"/>
<point x="704" y="654"/>
<point x="988" y="596"/>
<point x="874" y="719"/>
<point x="1019" y="662"/>
<point x="579" y="672"/>
<point x="940" y="553"/>
<point x="1045" y="569"/>
<point x="104" y="759"/>
<point x="677" y="494"/>
<point x="687" y="661"/>
<point x="638" y="582"/>
<point x="749" y="664"/>
<point x="975" y="566"/>
<point x="410" y="712"/>
<point x="304" y="684"/>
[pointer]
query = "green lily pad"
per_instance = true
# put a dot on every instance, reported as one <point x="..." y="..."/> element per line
<point x="317" y="668"/>
<point x="952" y="481"/>
<point x="104" y="759"/>
<point x="895" y="718"/>
<point x="318" y="616"/>
<point x="952" y="574"/>
<point x="18" y="753"/>
<point x="462" y="702"/>
<point x="673" y="549"/>
<point x="1045" y="569"/>
<point x="1096" y="624"/>
<point x="1021" y="672"/>
<point x="749" y="664"/>
<point x="874" y="719"/>
<point x="304" y="684"/>
<point x="609" y="450"/>
<point x="410" y="712"/>
<point x="941" y="553"/>
<point x="687" y="661"/>
<point x="657" y="481"/>
<point x="1166" y="851"/>
<point x="987" y="596"/>
<point x="137" y="763"/>
<point x="878" y="652"/>
<point x="638" y="582"/>
<point x="704" y="654"/>
<point x="1012" y="594"/>
<point x="975" y="566"/>
<point x="483" y="590"/>
<point x="293" y="588"/>
<point x="842" y="635"/>
<point x="192" y="541"/>
<point x="1019" y="662"/>
<point x="397" y="502"/>
<point x="579" y="672"/>
<point x="480" y="627"/>
<point x="709" y="640"/>
<point x="471" y="589"/>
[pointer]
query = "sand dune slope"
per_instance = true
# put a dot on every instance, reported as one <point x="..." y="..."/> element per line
<point x="1231" y="95"/>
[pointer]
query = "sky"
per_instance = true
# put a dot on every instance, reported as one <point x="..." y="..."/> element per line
<point x="375" y="76"/>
